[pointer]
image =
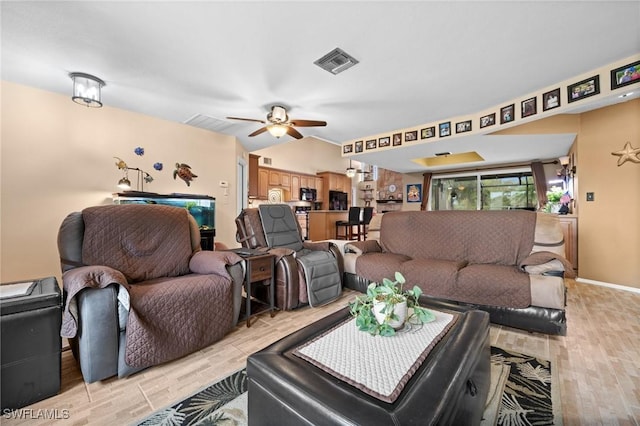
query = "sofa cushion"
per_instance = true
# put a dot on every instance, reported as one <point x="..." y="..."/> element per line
<point x="493" y="285"/>
<point x="435" y="277"/>
<point x="496" y="237"/>
<point x="376" y="266"/>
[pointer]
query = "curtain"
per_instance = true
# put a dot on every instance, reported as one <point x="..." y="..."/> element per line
<point x="426" y="190"/>
<point x="537" y="169"/>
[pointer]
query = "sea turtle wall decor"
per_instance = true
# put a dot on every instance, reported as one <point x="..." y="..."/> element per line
<point x="183" y="171"/>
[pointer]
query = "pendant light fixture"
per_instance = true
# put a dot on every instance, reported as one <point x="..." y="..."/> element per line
<point x="86" y="89"/>
<point x="350" y="172"/>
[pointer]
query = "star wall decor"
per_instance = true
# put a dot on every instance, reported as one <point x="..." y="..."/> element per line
<point x="628" y="153"/>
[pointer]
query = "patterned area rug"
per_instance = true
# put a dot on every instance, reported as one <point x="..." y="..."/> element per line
<point x="522" y="393"/>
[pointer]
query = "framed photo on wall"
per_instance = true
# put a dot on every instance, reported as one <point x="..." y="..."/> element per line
<point x="397" y="139"/>
<point x="414" y="193"/>
<point x="507" y="113"/>
<point x="488" y="120"/>
<point x="529" y="107"/>
<point x="359" y="146"/>
<point x="372" y="144"/>
<point x="427" y="133"/>
<point x="463" y="126"/>
<point x="583" y="89"/>
<point x="411" y="136"/>
<point x="551" y="99"/>
<point x="445" y="129"/>
<point x="347" y="149"/>
<point x="382" y="142"/>
<point x="625" y="75"/>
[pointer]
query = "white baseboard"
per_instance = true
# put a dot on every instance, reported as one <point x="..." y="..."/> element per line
<point x="614" y="286"/>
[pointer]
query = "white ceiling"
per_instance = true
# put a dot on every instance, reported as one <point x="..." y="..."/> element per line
<point x="420" y="61"/>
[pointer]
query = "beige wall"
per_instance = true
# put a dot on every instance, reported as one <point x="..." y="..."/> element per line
<point x="57" y="157"/>
<point x="308" y="155"/>
<point x="608" y="227"/>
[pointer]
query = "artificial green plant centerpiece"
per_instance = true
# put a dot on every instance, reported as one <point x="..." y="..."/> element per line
<point x="384" y="308"/>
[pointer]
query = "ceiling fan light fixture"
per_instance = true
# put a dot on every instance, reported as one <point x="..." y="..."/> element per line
<point x="86" y="89"/>
<point x="277" y="130"/>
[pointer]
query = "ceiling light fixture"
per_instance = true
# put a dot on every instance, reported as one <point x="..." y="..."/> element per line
<point x="351" y="171"/>
<point x="86" y="89"/>
<point x="277" y="130"/>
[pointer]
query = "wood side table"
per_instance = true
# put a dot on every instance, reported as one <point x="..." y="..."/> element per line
<point x="260" y="267"/>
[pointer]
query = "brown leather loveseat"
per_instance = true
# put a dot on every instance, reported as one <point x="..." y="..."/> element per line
<point x="508" y="263"/>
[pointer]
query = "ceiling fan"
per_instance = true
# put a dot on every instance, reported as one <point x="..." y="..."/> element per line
<point x="278" y="123"/>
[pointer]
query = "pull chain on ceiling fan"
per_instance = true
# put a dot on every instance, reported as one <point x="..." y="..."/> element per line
<point x="278" y="123"/>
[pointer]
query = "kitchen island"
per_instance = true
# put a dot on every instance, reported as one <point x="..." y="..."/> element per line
<point x="322" y="223"/>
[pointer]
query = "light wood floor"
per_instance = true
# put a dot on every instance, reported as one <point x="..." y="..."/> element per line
<point x="598" y="362"/>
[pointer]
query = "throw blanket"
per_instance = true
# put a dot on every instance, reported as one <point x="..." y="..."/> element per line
<point x="169" y="317"/>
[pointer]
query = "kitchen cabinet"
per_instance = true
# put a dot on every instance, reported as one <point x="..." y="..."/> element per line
<point x="285" y="179"/>
<point x="304" y="181"/>
<point x="253" y="175"/>
<point x="318" y="187"/>
<point x="333" y="182"/>
<point x="274" y="177"/>
<point x="569" y="226"/>
<point x="322" y="223"/>
<point x="295" y="187"/>
<point x="263" y="183"/>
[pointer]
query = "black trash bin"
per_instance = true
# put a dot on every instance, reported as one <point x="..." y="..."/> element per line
<point x="31" y="343"/>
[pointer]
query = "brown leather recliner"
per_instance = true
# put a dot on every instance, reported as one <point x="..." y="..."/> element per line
<point x="291" y="282"/>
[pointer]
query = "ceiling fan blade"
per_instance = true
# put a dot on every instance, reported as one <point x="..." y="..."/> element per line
<point x="307" y="123"/>
<point x="257" y="132"/>
<point x="293" y="132"/>
<point x="246" y="119"/>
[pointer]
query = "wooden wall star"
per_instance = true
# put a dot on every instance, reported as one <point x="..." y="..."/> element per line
<point x="628" y="153"/>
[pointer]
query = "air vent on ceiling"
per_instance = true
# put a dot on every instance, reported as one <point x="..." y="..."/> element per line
<point x="336" y="61"/>
<point x="209" y="123"/>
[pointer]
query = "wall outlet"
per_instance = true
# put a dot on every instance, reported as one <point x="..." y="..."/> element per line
<point x="223" y="184"/>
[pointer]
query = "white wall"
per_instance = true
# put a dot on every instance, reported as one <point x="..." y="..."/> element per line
<point x="57" y="157"/>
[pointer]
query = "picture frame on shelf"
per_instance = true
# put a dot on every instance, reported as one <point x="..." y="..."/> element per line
<point x="347" y="149"/>
<point x="414" y="193"/>
<point x="397" y="139"/>
<point x="445" y="129"/>
<point x="372" y="144"/>
<point x="385" y="141"/>
<point x="358" y="146"/>
<point x="625" y="75"/>
<point x="428" y="132"/>
<point x="529" y="107"/>
<point x="507" y="113"/>
<point x="551" y="99"/>
<point x="487" y="120"/>
<point x="583" y="89"/>
<point x="463" y="126"/>
<point x="411" y="136"/>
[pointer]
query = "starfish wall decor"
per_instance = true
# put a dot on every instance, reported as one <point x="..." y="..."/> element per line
<point x="628" y="153"/>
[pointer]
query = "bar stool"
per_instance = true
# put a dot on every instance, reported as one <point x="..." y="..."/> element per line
<point x="367" y="214"/>
<point x="347" y="225"/>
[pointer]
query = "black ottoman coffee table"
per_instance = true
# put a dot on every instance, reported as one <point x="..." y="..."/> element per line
<point x="449" y="387"/>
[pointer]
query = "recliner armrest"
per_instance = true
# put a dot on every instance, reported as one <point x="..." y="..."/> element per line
<point x="360" y="247"/>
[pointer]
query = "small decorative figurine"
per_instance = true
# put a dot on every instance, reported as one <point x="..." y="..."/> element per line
<point x="157" y="166"/>
<point x="139" y="151"/>
<point x="183" y="171"/>
<point x="121" y="164"/>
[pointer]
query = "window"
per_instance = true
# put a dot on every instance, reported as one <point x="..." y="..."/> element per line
<point x="489" y="190"/>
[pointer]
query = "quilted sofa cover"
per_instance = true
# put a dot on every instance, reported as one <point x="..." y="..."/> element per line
<point x="172" y="298"/>
<point x="507" y="260"/>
